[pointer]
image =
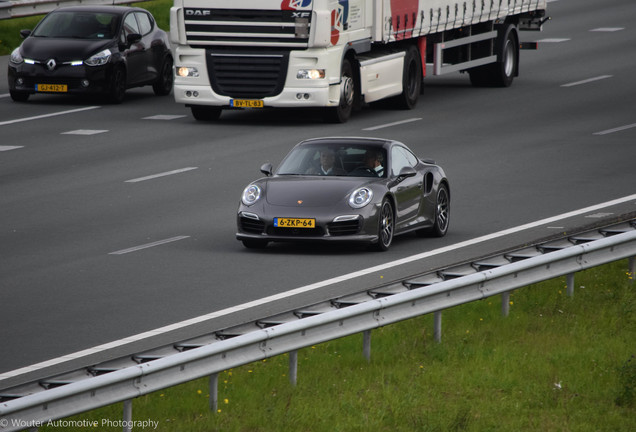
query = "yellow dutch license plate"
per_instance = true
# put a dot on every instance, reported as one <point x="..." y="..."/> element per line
<point x="294" y="223"/>
<point x="246" y="103"/>
<point x="55" y="88"/>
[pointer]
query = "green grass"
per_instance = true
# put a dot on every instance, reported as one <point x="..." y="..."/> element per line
<point x="10" y="28"/>
<point x="554" y="364"/>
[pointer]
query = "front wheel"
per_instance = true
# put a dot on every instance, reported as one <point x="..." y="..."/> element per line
<point x="163" y="85"/>
<point x="117" y="87"/>
<point x="342" y="112"/>
<point x="19" y="96"/>
<point x="386" y="226"/>
<point x="254" y="244"/>
<point x="205" y="113"/>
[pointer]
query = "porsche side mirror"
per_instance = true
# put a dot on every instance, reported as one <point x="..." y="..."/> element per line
<point x="25" y="33"/>
<point x="406" y="172"/>
<point x="267" y="169"/>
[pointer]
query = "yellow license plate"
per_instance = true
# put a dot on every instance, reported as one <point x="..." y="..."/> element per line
<point x="294" y="223"/>
<point x="56" y="88"/>
<point x="246" y="103"/>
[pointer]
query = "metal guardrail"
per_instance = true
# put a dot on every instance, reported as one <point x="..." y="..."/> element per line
<point x="428" y="293"/>
<point x="22" y="8"/>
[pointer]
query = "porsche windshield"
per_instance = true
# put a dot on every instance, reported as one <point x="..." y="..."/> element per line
<point x="334" y="160"/>
<point x="78" y="25"/>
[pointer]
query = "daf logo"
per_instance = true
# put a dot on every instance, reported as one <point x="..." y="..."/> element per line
<point x="51" y="64"/>
<point x="300" y="14"/>
<point x="197" y="12"/>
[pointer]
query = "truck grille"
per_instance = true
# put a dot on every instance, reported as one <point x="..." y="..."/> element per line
<point x="247" y="75"/>
<point x="243" y="27"/>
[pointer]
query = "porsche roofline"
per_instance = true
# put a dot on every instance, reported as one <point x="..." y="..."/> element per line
<point x="380" y="142"/>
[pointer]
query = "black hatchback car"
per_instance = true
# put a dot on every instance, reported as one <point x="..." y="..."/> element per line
<point x="101" y="50"/>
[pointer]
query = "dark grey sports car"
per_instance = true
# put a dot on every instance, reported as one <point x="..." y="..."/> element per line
<point x="92" y="50"/>
<point x="345" y="189"/>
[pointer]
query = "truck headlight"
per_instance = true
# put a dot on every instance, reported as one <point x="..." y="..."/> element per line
<point x="312" y="74"/>
<point x="184" y="72"/>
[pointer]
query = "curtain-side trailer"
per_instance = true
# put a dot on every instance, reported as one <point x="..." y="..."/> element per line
<point x="337" y="55"/>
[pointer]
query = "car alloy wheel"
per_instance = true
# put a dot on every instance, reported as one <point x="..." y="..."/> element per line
<point x="385" y="226"/>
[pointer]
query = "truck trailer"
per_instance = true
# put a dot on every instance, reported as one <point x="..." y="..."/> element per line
<point x="338" y="55"/>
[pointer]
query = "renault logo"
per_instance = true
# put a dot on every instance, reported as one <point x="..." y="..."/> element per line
<point x="51" y="64"/>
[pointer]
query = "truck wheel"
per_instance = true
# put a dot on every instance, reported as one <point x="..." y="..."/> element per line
<point x="502" y="72"/>
<point x="342" y="112"/>
<point x="411" y="80"/>
<point x="205" y="113"/>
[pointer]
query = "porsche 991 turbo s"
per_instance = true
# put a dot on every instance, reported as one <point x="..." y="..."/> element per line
<point x="345" y="189"/>
<point x="101" y="50"/>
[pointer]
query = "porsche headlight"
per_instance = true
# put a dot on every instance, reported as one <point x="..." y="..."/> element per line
<point x="360" y="197"/>
<point x="16" y="57"/>
<point x="99" y="59"/>
<point x="251" y="194"/>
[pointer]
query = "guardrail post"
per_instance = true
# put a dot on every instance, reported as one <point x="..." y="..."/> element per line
<point x="293" y="367"/>
<point x="570" y="284"/>
<point x="366" y="336"/>
<point x="632" y="269"/>
<point x="128" y="415"/>
<point x="437" y="332"/>
<point x="505" y="303"/>
<point x="214" y="392"/>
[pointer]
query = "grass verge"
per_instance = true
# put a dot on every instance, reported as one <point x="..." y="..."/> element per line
<point x="10" y="28"/>
<point x="554" y="364"/>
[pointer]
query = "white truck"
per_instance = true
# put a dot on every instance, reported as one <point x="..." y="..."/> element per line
<point x="338" y="55"/>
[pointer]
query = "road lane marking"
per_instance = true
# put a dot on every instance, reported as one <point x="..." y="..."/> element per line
<point x="4" y="95"/>
<point x="311" y="287"/>
<point x="589" y="80"/>
<point x="163" y="117"/>
<point x="48" y="115"/>
<point x="608" y="29"/>
<point x="84" y="132"/>
<point x="7" y="148"/>
<point x="392" y="124"/>
<point x="148" y="245"/>
<point x="617" y="129"/>
<point x="553" y="40"/>
<point x="154" y="176"/>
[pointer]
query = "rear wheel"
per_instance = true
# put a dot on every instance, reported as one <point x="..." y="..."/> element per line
<point x="411" y="79"/>
<point x="502" y="72"/>
<point x="441" y="217"/>
<point x="386" y="226"/>
<point x="442" y="212"/>
<point x="205" y="113"/>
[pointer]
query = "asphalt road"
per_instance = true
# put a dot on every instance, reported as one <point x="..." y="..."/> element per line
<point x="96" y="247"/>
